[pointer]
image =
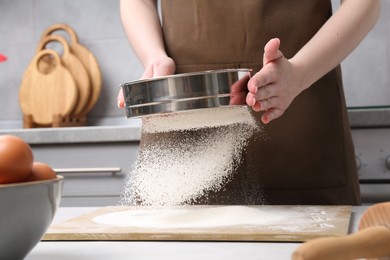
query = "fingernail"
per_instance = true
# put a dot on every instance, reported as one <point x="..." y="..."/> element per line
<point x="265" y="119"/>
<point x="253" y="89"/>
<point x="253" y="101"/>
<point x="248" y="100"/>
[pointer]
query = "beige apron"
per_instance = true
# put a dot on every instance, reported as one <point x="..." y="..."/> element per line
<point x="307" y="156"/>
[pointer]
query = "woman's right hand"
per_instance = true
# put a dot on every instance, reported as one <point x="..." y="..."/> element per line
<point x="160" y="67"/>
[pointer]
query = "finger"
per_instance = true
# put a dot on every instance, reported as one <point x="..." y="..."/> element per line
<point x="266" y="104"/>
<point x="238" y="90"/>
<point x="260" y="79"/>
<point x="266" y="92"/>
<point x="237" y="99"/>
<point x="256" y="107"/>
<point x="271" y="51"/>
<point x="163" y="69"/>
<point x="148" y="73"/>
<point x="240" y="85"/>
<point x="120" y="99"/>
<point x="263" y="105"/>
<point x="250" y="99"/>
<point x="271" y="114"/>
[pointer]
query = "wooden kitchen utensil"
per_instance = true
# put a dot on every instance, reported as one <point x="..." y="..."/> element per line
<point x="87" y="59"/>
<point x="273" y="223"/>
<point x="371" y="241"/>
<point x="45" y="96"/>
<point x="75" y="67"/>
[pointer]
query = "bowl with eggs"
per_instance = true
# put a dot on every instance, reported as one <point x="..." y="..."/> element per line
<point x="30" y="194"/>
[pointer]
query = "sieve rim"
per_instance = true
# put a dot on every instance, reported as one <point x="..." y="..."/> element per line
<point x="186" y="91"/>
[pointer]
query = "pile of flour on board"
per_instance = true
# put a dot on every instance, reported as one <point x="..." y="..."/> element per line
<point x="191" y="153"/>
<point x="310" y="219"/>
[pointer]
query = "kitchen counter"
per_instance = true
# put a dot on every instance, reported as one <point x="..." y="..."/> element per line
<point x="119" y="130"/>
<point x="172" y="250"/>
<point x="122" y="129"/>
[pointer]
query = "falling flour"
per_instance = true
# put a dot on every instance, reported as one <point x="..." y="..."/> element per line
<point x="197" y="119"/>
<point x="187" y="155"/>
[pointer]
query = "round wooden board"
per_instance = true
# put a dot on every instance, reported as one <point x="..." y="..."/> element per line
<point x="45" y="95"/>
<point x="87" y="59"/>
<point x="77" y="70"/>
<point x="89" y="62"/>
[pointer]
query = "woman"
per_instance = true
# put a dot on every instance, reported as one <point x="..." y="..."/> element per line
<point x="296" y="90"/>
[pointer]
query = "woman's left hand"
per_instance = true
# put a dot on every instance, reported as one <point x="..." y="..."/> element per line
<point x="275" y="86"/>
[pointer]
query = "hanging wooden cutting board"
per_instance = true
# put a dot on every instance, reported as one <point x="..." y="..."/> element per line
<point x="197" y="223"/>
<point x="87" y="59"/>
<point x="76" y="69"/>
<point x="44" y="95"/>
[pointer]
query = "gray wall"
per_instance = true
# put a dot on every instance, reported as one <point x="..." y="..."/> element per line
<point x="97" y="22"/>
<point x="366" y="72"/>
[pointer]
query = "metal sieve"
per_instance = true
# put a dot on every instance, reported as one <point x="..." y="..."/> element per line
<point x="188" y="91"/>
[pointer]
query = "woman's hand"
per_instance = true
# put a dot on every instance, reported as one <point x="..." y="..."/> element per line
<point x="142" y="26"/>
<point x="275" y="86"/>
<point x="160" y="67"/>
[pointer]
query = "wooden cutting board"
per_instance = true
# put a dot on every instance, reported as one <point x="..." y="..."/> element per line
<point x="212" y="223"/>
<point x="87" y="59"/>
<point x="44" y="95"/>
<point x="76" y="69"/>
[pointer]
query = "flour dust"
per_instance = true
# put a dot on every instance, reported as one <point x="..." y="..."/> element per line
<point x="185" y="155"/>
<point x="264" y="219"/>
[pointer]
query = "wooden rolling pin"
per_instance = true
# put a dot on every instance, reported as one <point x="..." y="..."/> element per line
<point x="371" y="241"/>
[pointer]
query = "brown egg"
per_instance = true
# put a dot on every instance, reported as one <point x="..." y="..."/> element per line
<point x="16" y="159"/>
<point x="41" y="171"/>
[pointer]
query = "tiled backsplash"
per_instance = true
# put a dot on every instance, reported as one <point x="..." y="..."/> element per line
<point x="97" y="23"/>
